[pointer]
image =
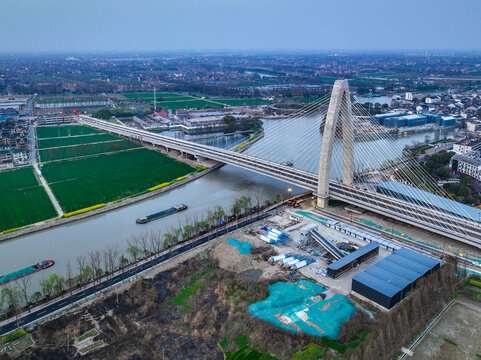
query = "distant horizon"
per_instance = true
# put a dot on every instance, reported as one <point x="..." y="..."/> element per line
<point x="333" y="53"/>
<point x="92" y="26"/>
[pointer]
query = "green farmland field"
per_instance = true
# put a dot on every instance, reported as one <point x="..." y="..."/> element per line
<point x="85" y="182"/>
<point x="150" y="95"/>
<point x="60" y="131"/>
<point x="187" y="104"/>
<point x="23" y="201"/>
<point x="84" y="149"/>
<point x="75" y="140"/>
<point x="179" y="101"/>
<point x="242" y="102"/>
<point x="17" y="179"/>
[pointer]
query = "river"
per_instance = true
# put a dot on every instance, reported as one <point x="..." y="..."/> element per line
<point x="65" y="243"/>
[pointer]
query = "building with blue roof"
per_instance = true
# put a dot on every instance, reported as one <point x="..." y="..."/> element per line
<point x="398" y="269"/>
<point x="353" y="259"/>
<point x="397" y="280"/>
<point x="410" y="264"/>
<point x="388" y="281"/>
<point x="429" y="200"/>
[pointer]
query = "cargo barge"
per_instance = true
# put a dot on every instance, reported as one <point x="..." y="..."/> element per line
<point x="172" y="210"/>
<point x="26" y="271"/>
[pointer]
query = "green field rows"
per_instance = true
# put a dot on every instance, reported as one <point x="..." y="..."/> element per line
<point x="84" y="149"/>
<point x="23" y="201"/>
<point x="187" y="104"/>
<point x="75" y="140"/>
<point x="60" y="131"/>
<point x="242" y="102"/>
<point x="85" y="182"/>
<point x="17" y="179"/>
<point x="179" y="101"/>
<point x="150" y="95"/>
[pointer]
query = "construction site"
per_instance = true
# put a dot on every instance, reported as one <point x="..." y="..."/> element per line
<point x="299" y="275"/>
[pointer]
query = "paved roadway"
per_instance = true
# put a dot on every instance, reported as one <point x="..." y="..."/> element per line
<point x="456" y="227"/>
<point x="68" y="299"/>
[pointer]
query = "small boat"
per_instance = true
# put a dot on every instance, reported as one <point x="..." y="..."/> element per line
<point x="172" y="210"/>
<point x="26" y="271"/>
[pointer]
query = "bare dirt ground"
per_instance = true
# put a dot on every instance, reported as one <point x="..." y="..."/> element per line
<point x="181" y="309"/>
<point x="456" y="336"/>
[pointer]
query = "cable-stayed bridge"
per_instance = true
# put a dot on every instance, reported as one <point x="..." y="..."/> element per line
<point x="348" y="134"/>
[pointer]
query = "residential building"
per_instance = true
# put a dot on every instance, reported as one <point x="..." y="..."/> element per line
<point x="466" y="146"/>
<point x="469" y="165"/>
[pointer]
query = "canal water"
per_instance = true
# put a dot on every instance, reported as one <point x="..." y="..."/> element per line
<point x="67" y="242"/>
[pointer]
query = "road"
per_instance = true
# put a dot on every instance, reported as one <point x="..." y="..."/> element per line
<point x="118" y="277"/>
<point x="451" y="224"/>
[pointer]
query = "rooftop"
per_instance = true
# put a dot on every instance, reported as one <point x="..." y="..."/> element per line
<point x="397" y="271"/>
<point x="353" y="256"/>
<point x="420" y="197"/>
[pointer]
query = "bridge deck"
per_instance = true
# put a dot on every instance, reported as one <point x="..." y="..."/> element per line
<point x="449" y="225"/>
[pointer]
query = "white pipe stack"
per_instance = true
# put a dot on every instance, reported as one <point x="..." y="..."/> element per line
<point x="286" y="260"/>
<point x="277" y="257"/>
<point x="266" y="239"/>
<point x="292" y="263"/>
<point x="300" y="264"/>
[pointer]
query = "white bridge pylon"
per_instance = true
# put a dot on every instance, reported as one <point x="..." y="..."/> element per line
<point x="339" y="112"/>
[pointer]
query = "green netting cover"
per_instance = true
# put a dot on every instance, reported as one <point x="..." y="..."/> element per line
<point x="14" y="274"/>
<point x="298" y="307"/>
<point x="244" y="248"/>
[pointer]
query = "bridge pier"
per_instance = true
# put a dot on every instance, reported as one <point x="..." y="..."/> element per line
<point x="200" y="159"/>
<point x="340" y="99"/>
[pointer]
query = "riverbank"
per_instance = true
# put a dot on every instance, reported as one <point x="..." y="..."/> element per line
<point x="48" y="224"/>
<point x="110" y="280"/>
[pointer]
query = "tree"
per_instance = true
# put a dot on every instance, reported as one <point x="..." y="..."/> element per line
<point x="47" y="287"/>
<point x="230" y="122"/>
<point x="219" y="214"/>
<point x="236" y="208"/>
<point x="104" y="114"/>
<point x="463" y="192"/>
<point x="111" y="254"/>
<point x="246" y="204"/>
<point x="11" y="296"/>
<point x="81" y="260"/>
<point x="87" y="273"/>
<point x="155" y="242"/>
<point x="443" y="173"/>
<point x="95" y="261"/>
<point x="58" y="283"/>
<point x="188" y="230"/>
<point x="167" y="240"/>
<point x="465" y="180"/>
<point x="24" y="284"/>
<point x="123" y="261"/>
<point x="134" y="252"/>
<point x="70" y="282"/>
<point x="176" y="234"/>
<point x="36" y="297"/>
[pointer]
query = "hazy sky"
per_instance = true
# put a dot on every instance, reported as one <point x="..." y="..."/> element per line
<point x="162" y="25"/>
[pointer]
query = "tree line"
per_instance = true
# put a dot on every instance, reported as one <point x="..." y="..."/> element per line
<point x="88" y="268"/>
<point x="399" y="327"/>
